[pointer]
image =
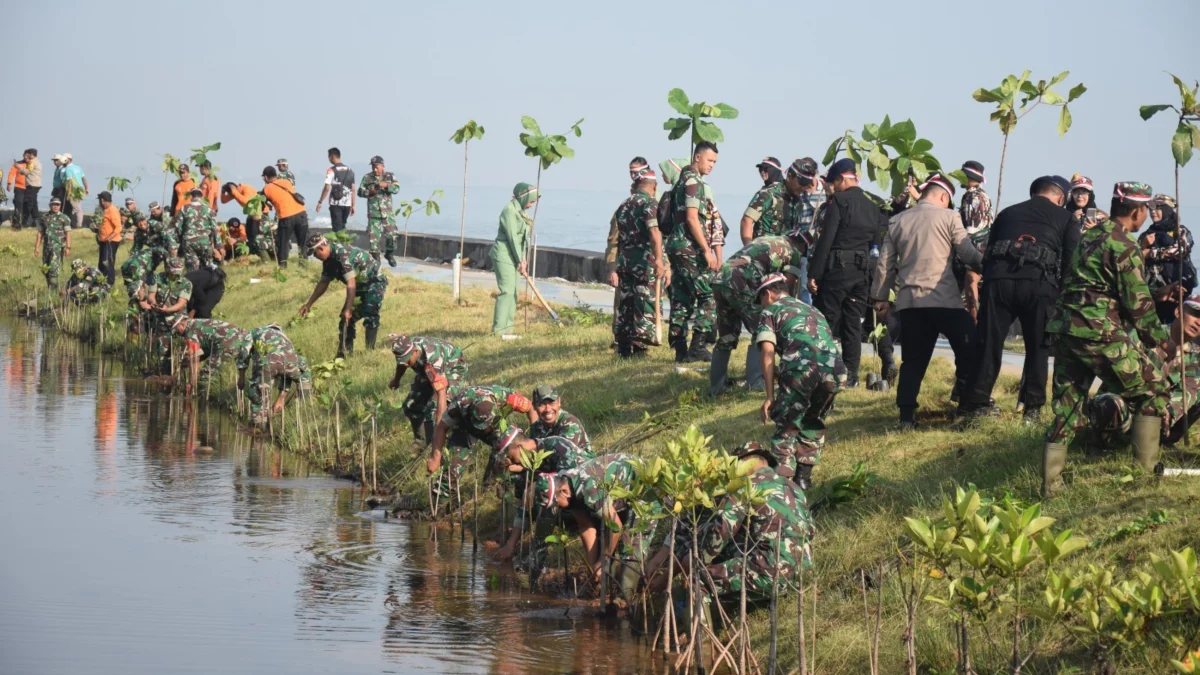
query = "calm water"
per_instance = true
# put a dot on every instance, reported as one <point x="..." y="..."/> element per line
<point x="127" y="549"/>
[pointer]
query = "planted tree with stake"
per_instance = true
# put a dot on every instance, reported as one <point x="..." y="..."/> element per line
<point x="910" y="157"/>
<point x="548" y="150"/>
<point x="409" y="206"/>
<point x="1016" y="97"/>
<point x="695" y="119"/>
<point x="200" y="156"/>
<point x="463" y="136"/>
<point x="170" y="167"/>
<point x="121" y="184"/>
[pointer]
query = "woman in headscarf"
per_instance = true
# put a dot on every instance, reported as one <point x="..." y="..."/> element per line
<point x="1167" y="248"/>
<point x="764" y="214"/>
<point x="1082" y="198"/>
<point x="508" y="254"/>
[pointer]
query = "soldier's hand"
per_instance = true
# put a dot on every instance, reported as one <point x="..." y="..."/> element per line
<point x="434" y="463"/>
<point x="394" y="383"/>
<point x="347" y="314"/>
<point x="303" y="310"/>
<point x="1168" y="292"/>
<point x="522" y="269"/>
<point x="765" y="411"/>
<point x="613" y="279"/>
<point x="881" y="309"/>
<point x="504" y="554"/>
<point x="812" y="286"/>
<point x="711" y="259"/>
<point x="1170" y="349"/>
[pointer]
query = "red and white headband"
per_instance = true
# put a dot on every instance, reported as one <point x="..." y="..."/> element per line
<point x="771" y="279"/>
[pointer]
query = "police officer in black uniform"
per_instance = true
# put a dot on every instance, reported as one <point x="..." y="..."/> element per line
<point x="841" y="264"/>
<point x="1027" y="255"/>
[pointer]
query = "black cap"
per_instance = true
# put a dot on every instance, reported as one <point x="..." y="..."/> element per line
<point x="973" y="169"/>
<point x="270" y="172"/>
<point x="1055" y="180"/>
<point x="843" y="165"/>
<point x="377" y="160"/>
<point x="106" y="196"/>
<point x="754" y="448"/>
<point x="768" y="162"/>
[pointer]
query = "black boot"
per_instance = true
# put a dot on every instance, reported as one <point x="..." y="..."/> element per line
<point x="370" y="338"/>
<point x="391" y="261"/>
<point x="804" y="476"/>
<point x="698" y="352"/>
<point x="680" y="344"/>
<point x="624" y="349"/>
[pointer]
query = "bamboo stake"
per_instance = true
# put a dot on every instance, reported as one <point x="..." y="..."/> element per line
<point x="374" y="459"/>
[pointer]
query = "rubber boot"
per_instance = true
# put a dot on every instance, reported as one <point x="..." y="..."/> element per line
<point x="624" y="349"/>
<point x="681" y="350"/>
<point x="370" y="338"/>
<point x="1145" y="435"/>
<point x="754" y="370"/>
<point x="1054" y="460"/>
<point x="698" y="352"/>
<point x="718" y="374"/>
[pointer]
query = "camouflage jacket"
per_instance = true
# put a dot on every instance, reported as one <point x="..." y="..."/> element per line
<point x="90" y="277"/>
<point x="439" y="363"/>
<point x="801" y="336"/>
<point x="1163" y="256"/>
<point x="975" y="209"/>
<point x="168" y="291"/>
<point x="213" y="336"/>
<point x="590" y="482"/>
<point x="567" y="426"/>
<point x="197" y="226"/>
<point x="746" y="269"/>
<point x="799" y="212"/>
<point x="346" y="262"/>
<point x="635" y="218"/>
<point x="480" y="410"/>
<point x="141" y="240"/>
<point x="160" y="234"/>
<point x="766" y="210"/>
<point x="379" y="200"/>
<point x="1104" y="294"/>
<point x="783" y="514"/>
<point x="54" y="228"/>
<point x="688" y="193"/>
<point x="286" y="174"/>
<point x="565" y="454"/>
<point x="274" y="355"/>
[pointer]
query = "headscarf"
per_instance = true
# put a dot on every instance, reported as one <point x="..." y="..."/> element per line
<point x="1080" y="182"/>
<point x="670" y="169"/>
<point x="1169" y="220"/>
<point x="774" y="173"/>
<point x="525" y="194"/>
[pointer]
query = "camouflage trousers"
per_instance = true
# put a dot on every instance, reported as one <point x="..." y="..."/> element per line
<point x="52" y="258"/>
<point x="276" y="368"/>
<point x="368" y="301"/>
<point x="804" y="395"/>
<point x="266" y="244"/>
<point x="733" y="312"/>
<point x="691" y="294"/>
<point x="761" y="568"/>
<point x="135" y="269"/>
<point x="456" y="457"/>
<point x="420" y="407"/>
<point x="87" y="293"/>
<point x="160" y="333"/>
<point x="635" y="313"/>
<point x="196" y="256"/>
<point x="1124" y="369"/>
<point x="381" y="234"/>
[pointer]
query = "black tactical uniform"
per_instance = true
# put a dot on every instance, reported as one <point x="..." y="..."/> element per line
<point x="1028" y="252"/>
<point x="841" y="265"/>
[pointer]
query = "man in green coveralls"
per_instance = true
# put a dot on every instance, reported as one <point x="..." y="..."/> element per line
<point x="508" y="254"/>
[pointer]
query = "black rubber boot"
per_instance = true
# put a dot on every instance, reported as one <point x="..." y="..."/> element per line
<point x="681" y="350"/>
<point x="804" y="476"/>
<point x="624" y="349"/>
<point x="754" y="369"/>
<point x="391" y="261"/>
<point x="370" y="338"/>
<point x="719" y="372"/>
<point x="698" y="352"/>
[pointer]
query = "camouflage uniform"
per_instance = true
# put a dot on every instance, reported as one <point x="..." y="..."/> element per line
<point x="766" y="209"/>
<point x="975" y="209"/>
<point x="200" y="235"/>
<point x="267" y="225"/>
<point x="54" y="228"/>
<point x="168" y="289"/>
<point x="440" y="367"/>
<point x="567" y="426"/>
<point x="212" y="340"/>
<point x="381" y="217"/>
<point x="635" y="270"/>
<point x="475" y="413"/>
<point x="782" y="517"/>
<point x="347" y="262"/>
<point x="135" y="269"/>
<point x="272" y="359"/>
<point x="1109" y="414"/>
<point x="740" y="277"/>
<point x="162" y="238"/>
<point x="565" y="455"/>
<point x="590" y="484"/>
<point x="691" y="281"/>
<point x="809" y="375"/>
<point x="87" y="284"/>
<point x="286" y="174"/>
<point x="1104" y="299"/>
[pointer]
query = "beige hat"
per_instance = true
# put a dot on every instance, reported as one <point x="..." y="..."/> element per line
<point x="67" y="157"/>
<point x="58" y="158"/>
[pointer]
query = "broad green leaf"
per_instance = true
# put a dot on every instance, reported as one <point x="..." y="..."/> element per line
<point x="903" y="164"/>
<point x="1060" y="77"/>
<point x="919" y="170"/>
<point x="1181" y="145"/>
<point x="831" y="153"/>
<point x="987" y="96"/>
<point x="531" y="125"/>
<point x="922" y="146"/>
<point x="458" y="136"/>
<point x="1195" y="135"/>
<point x="870" y="132"/>
<point x="1052" y="98"/>
<point x="879" y="158"/>
<point x="887" y="180"/>
<point x="708" y="131"/>
<point x="1184" y="93"/>
<point x="1076" y="91"/>
<point x="726" y="111"/>
<point x="679" y="101"/>
<point x="919" y="532"/>
<point x="1037" y="525"/>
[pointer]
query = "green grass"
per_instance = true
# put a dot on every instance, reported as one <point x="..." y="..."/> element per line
<point x="914" y="469"/>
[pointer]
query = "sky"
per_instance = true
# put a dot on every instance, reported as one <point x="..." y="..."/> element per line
<point x="118" y="83"/>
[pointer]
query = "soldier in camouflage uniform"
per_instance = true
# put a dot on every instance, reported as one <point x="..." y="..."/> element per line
<point x="211" y="341"/>
<point x="282" y="172"/>
<point x="693" y="259"/>
<point x="552" y="420"/>
<point x="764" y="214"/>
<point x="161" y="236"/>
<point x="87" y="285"/>
<point x="783" y="517"/>
<point x="141" y="258"/>
<point x="975" y="209"/>
<point x="268" y="224"/>
<point x="200" y="236"/>
<point x="439" y="368"/>
<point x="1167" y="248"/>
<point x="801" y="390"/>
<point x="639" y="267"/>
<point x="474" y="413"/>
<point x="166" y="294"/>
<point x="737" y="306"/>
<point x="54" y="242"/>
<point x="272" y="359"/>
<point x="564" y="454"/>
<point x="365" y="289"/>
<point x="1104" y="301"/>
<point x="377" y="187"/>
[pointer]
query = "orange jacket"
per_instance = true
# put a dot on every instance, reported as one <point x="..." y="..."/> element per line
<point x="110" y="229"/>
<point x="183" y="189"/>
<point x="242" y="193"/>
<point x="212" y="190"/>
<point x="16" y="178"/>
<point x="279" y="194"/>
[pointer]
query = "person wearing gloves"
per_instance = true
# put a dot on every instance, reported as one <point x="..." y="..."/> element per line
<point x="508" y="254"/>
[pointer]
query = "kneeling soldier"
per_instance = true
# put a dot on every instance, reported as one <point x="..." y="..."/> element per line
<point x="438" y="369"/>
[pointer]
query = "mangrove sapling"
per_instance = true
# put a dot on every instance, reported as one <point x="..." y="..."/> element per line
<point x="170" y="167"/>
<point x="463" y="136"/>
<point x="406" y="209"/>
<point x="200" y="156"/>
<point x="913" y="160"/>
<point x="548" y="150"/>
<point x="695" y="119"/>
<point x="1009" y="110"/>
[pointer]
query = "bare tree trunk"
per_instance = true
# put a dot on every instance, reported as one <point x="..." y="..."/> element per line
<point x="1000" y="180"/>
<point x="462" y="223"/>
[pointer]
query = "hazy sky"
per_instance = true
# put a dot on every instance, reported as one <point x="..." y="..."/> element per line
<point x="118" y="83"/>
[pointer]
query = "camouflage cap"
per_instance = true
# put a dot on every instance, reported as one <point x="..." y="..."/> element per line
<point x="754" y="448"/>
<point x="377" y="160"/>
<point x="129" y="200"/>
<point x="769" y="162"/>
<point x="196" y="192"/>
<point x="1193" y="304"/>
<point x="769" y="280"/>
<point x="939" y="180"/>
<point x="1131" y="191"/>
<point x="56" y="201"/>
<point x="154" y="205"/>
<point x="545" y="392"/>
<point x="544" y="487"/>
<point x="402" y="345"/>
<point x="138" y="217"/>
<point x="507" y="438"/>
<point x="281" y="160"/>
<point x="174" y="320"/>
<point x="1164" y="200"/>
<point x="174" y="265"/>
<point x="645" y="173"/>
<point x="805" y="169"/>
<point x="313" y="241"/>
<point x="78" y="264"/>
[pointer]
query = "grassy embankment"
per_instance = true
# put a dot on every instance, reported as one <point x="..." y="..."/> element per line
<point x="913" y="470"/>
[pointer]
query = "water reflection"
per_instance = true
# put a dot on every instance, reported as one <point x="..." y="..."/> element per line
<point x="155" y="534"/>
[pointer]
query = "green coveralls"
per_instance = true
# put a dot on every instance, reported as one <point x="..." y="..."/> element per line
<point x="508" y="253"/>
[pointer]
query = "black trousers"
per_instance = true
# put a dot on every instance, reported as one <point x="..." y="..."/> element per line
<point x="843" y="300"/>
<point x="208" y="286"/>
<point x="338" y="215"/>
<point x="18" y="201"/>
<point x="292" y="227"/>
<point x="921" y="328"/>
<point x="108" y="260"/>
<point x="1002" y="301"/>
<point x="29" y="209"/>
<point x="252" y="229"/>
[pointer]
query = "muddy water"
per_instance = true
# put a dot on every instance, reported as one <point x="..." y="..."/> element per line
<point x="128" y="547"/>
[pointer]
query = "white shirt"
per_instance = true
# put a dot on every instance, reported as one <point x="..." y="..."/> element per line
<point x="346" y="179"/>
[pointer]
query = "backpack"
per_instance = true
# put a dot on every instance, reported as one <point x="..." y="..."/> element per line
<point x="342" y="176"/>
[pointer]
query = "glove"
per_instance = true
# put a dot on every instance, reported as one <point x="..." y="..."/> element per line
<point x="519" y="403"/>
